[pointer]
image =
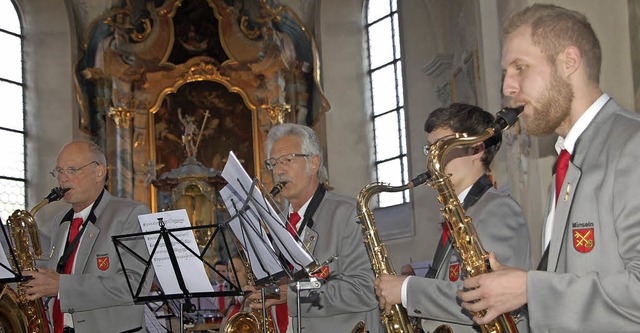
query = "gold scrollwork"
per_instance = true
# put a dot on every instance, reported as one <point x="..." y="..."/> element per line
<point x="276" y="112"/>
<point x="121" y="116"/>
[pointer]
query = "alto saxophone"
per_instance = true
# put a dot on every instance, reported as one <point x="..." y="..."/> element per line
<point x="398" y="320"/>
<point x="24" y="231"/>
<point x="474" y="258"/>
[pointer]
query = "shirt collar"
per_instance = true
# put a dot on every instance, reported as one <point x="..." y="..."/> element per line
<point x="302" y="209"/>
<point x="576" y="130"/>
<point x="464" y="193"/>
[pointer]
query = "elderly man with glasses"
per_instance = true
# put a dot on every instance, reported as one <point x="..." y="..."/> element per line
<point x="327" y="222"/>
<point x="85" y="281"/>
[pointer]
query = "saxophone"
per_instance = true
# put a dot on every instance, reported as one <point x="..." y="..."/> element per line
<point x="254" y="321"/>
<point x="474" y="258"/>
<point x="17" y="314"/>
<point x="398" y="320"/>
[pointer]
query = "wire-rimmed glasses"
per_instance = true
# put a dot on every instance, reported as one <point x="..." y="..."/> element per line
<point x="284" y="160"/>
<point x="70" y="171"/>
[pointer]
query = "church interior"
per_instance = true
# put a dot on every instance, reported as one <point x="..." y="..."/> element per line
<point x="168" y="87"/>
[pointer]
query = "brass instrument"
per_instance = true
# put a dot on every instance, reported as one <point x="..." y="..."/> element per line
<point x="17" y="314"/>
<point x="398" y="320"/>
<point x="251" y="322"/>
<point x="474" y="258"/>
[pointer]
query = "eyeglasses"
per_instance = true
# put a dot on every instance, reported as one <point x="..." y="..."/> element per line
<point x="71" y="171"/>
<point x="284" y="160"/>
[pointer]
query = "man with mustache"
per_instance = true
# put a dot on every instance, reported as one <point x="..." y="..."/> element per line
<point x="589" y="278"/>
<point x="85" y="280"/>
<point x="347" y="296"/>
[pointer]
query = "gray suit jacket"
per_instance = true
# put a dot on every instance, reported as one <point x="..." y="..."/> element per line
<point x="348" y="296"/>
<point x="502" y="229"/>
<point x="592" y="282"/>
<point x="97" y="294"/>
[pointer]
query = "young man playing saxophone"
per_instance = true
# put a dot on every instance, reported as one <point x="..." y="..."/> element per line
<point x="496" y="217"/>
<point x="590" y="280"/>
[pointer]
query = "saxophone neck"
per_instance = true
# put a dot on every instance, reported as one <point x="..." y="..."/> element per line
<point x="442" y="147"/>
<point x="367" y="192"/>
<point x="56" y="194"/>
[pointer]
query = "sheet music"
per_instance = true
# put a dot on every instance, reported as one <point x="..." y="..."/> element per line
<point x="191" y="267"/>
<point x="251" y="236"/>
<point x="239" y="184"/>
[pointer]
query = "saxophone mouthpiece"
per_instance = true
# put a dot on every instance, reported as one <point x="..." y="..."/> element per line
<point x="277" y="188"/>
<point x="420" y="179"/>
<point x="56" y="194"/>
<point x="506" y="117"/>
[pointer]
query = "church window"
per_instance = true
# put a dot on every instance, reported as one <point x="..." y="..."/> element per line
<point x="12" y="133"/>
<point x="386" y="98"/>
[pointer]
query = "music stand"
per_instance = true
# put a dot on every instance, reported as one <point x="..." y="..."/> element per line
<point x="15" y="275"/>
<point x="262" y="233"/>
<point x="169" y="240"/>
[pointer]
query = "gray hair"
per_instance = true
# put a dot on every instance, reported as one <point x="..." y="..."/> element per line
<point x="96" y="153"/>
<point x="309" y="144"/>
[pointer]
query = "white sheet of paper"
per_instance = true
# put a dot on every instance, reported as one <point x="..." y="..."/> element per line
<point x="249" y="234"/>
<point x="239" y="182"/>
<point x="191" y="267"/>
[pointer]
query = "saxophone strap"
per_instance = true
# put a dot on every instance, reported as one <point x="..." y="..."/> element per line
<point x="307" y="221"/>
<point x="71" y="247"/>
<point x="482" y="185"/>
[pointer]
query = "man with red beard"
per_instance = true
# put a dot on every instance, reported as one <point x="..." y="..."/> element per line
<point x="589" y="277"/>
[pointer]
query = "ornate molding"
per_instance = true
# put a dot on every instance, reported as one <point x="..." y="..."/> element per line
<point x="439" y="65"/>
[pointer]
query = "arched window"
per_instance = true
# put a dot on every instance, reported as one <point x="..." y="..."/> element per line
<point x="387" y="100"/>
<point x="12" y="135"/>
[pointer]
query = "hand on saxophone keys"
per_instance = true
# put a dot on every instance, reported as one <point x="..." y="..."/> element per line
<point x="500" y="291"/>
<point x="389" y="290"/>
<point x="255" y="296"/>
<point x="43" y="283"/>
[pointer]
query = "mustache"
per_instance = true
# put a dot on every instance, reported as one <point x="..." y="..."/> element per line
<point x="283" y="179"/>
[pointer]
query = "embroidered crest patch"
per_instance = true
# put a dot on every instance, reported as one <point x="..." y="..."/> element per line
<point x="103" y="262"/>
<point x="583" y="239"/>
<point x="322" y="273"/>
<point x="454" y="272"/>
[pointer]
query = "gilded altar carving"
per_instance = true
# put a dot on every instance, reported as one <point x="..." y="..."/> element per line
<point x="139" y="54"/>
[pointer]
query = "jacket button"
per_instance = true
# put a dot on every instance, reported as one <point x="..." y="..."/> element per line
<point x="70" y="311"/>
<point x="417" y="311"/>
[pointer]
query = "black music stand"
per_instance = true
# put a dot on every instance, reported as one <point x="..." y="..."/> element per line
<point x="167" y="239"/>
<point x="251" y="216"/>
<point x="17" y="273"/>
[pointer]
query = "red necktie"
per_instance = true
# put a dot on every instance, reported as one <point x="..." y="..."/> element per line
<point x="58" y="317"/>
<point x="292" y="226"/>
<point x="561" y="170"/>
<point x="445" y="233"/>
<point x="282" y="311"/>
<point x="221" y="300"/>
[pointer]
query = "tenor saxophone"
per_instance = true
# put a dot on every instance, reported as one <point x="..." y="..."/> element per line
<point x="475" y="259"/>
<point x="24" y="235"/>
<point x="397" y="321"/>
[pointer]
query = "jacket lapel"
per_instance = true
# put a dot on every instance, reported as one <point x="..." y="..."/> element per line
<point x="561" y="217"/>
<point x="86" y="245"/>
<point x="563" y="207"/>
